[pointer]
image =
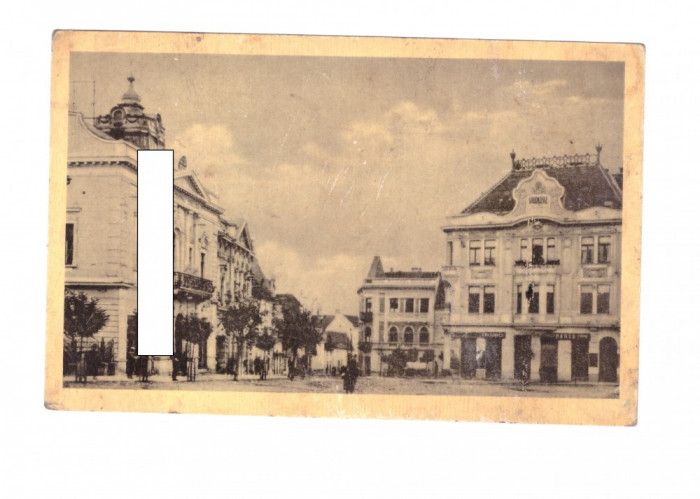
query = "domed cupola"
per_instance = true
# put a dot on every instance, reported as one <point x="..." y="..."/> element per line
<point x="128" y="121"/>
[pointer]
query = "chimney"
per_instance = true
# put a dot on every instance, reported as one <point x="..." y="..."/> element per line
<point x="416" y="269"/>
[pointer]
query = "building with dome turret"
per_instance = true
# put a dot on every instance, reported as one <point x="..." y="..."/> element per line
<point x="128" y="121"/>
<point x="213" y="256"/>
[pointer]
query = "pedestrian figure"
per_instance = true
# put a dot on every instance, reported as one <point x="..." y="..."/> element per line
<point x="81" y="369"/>
<point x="142" y="367"/>
<point x="291" y="372"/>
<point x="346" y="378"/>
<point x="174" y="360"/>
<point x="353" y="373"/>
<point x="130" y="362"/>
<point x="91" y="360"/>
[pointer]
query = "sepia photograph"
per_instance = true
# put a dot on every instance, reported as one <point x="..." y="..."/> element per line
<point x="433" y="221"/>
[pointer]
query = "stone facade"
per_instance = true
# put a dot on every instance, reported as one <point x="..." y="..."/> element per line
<point x="534" y="269"/>
<point x="400" y="310"/>
<point x="213" y="257"/>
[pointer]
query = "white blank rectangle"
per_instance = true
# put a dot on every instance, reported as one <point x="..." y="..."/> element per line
<point x="155" y="252"/>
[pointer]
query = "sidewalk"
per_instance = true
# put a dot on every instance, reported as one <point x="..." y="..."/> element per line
<point x="204" y="376"/>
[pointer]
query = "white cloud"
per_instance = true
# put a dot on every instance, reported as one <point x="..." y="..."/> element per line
<point x="325" y="284"/>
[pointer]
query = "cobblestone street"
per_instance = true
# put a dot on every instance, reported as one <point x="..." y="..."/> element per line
<point x="365" y="385"/>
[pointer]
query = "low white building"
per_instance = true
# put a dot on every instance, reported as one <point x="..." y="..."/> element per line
<point x="340" y="333"/>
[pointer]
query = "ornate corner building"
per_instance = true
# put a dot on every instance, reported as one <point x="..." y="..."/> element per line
<point x="533" y="267"/>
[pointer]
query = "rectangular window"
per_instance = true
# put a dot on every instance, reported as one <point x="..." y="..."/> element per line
<point x="489" y="299"/>
<point x="603" y="300"/>
<point x="381" y="304"/>
<point x="450" y="253"/>
<point x="381" y="331"/>
<point x="551" y="249"/>
<point x="368" y="304"/>
<point x="550" y="298"/>
<point x="201" y="265"/>
<point x="474" y="252"/>
<point x="409" y="306"/>
<point x="604" y="249"/>
<point x="537" y="251"/>
<point x="534" y="300"/>
<point x="490" y="252"/>
<point x="189" y="257"/>
<point x="70" y="234"/>
<point x="519" y="300"/>
<point x="424" y="303"/>
<point x="587" y="250"/>
<point x="393" y="304"/>
<point x="586" y="299"/>
<point x="474" y="298"/>
<point x="524" y="256"/>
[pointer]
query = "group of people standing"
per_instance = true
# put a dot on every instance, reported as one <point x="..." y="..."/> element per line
<point x="137" y="364"/>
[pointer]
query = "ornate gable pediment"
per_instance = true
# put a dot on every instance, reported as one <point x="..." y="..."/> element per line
<point x="244" y="238"/>
<point x="192" y="184"/>
<point x="539" y="195"/>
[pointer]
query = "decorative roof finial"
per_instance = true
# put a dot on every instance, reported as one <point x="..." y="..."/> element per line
<point x="131" y="94"/>
<point x="598" y="148"/>
<point x="512" y="158"/>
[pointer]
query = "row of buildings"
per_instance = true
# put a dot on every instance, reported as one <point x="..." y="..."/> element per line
<point x="530" y="288"/>
<point x="214" y="256"/>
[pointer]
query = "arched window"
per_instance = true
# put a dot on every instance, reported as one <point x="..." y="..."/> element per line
<point x="408" y="335"/>
<point x="393" y="335"/>
<point x="424" y="336"/>
<point x="368" y="334"/>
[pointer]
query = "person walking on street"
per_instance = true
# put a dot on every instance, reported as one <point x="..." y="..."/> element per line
<point x="353" y="373"/>
<point x="130" y="362"/>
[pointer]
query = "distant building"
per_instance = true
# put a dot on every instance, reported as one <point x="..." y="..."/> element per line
<point x="400" y="310"/>
<point x="340" y="334"/>
<point x="534" y="271"/>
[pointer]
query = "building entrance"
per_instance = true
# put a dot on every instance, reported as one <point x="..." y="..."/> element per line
<point x="492" y="358"/>
<point x="523" y="356"/>
<point x="608" y="360"/>
<point x="467" y="367"/>
<point x="579" y="360"/>
<point x="550" y="359"/>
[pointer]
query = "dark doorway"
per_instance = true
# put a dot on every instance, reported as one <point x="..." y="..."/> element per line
<point x="550" y="359"/>
<point x="492" y="358"/>
<point x="608" y="360"/>
<point x="468" y="358"/>
<point x="523" y="356"/>
<point x="579" y="360"/>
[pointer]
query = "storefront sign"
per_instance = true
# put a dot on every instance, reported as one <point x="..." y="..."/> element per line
<point x="569" y="336"/>
<point x="486" y="335"/>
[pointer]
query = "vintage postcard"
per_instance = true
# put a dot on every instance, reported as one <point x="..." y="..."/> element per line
<point x="361" y="227"/>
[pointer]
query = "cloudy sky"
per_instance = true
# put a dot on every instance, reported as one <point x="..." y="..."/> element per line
<point x="333" y="160"/>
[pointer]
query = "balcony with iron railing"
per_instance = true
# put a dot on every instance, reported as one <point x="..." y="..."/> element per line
<point x="366" y="317"/>
<point x="192" y="285"/>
